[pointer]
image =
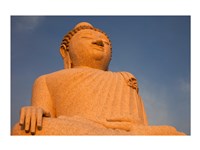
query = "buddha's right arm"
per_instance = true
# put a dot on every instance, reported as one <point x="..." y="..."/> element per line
<point x="42" y="106"/>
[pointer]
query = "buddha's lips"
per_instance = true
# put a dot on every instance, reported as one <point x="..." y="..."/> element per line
<point x="99" y="48"/>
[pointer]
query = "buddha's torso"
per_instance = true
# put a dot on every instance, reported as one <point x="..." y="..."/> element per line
<point x="95" y="94"/>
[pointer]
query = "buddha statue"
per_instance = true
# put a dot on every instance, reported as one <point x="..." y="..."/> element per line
<point x="85" y="98"/>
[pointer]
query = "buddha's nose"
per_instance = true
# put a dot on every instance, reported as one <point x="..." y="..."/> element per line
<point x="99" y="43"/>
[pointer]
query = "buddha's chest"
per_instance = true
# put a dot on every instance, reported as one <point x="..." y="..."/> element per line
<point x="92" y="94"/>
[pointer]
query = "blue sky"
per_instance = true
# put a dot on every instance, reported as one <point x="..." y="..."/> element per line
<point x="156" y="49"/>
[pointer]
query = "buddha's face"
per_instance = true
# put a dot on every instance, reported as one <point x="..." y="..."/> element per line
<point x="91" y="49"/>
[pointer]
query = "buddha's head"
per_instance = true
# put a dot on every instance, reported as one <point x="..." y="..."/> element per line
<point x="86" y="46"/>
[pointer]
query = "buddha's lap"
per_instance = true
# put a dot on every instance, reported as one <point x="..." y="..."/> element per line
<point x="81" y="126"/>
<point x="68" y="126"/>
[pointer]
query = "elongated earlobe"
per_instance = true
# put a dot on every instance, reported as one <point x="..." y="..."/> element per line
<point x="66" y="58"/>
<point x="67" y="62"/>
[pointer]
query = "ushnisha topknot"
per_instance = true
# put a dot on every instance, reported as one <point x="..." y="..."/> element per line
<point x="78" y="27"/>
<point x="83" y="24"/>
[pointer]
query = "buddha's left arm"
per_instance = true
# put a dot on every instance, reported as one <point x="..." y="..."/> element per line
<point x="41" y="96"/>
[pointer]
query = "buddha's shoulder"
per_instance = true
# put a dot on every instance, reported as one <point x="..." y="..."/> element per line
<point x="71" y="72"/>
<point x="126" y="75"/>
<point x="55" y="74"/>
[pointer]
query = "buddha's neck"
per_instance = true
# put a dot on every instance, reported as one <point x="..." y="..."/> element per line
<point x="85" y="67"/>
<point x="81" y="67"/>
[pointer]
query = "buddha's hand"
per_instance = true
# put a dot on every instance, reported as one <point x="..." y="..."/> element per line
<point x="31" y="117"/>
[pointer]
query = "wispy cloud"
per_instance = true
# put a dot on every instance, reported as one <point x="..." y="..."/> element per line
<point x="28" y="23"/>
<point x="184" y="85"/>
<point x="156" y="103"/>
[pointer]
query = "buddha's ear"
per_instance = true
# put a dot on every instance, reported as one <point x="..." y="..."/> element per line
<point x="66" y="58"/>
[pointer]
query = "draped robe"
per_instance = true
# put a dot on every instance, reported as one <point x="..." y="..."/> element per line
<point x="105" y="97"/>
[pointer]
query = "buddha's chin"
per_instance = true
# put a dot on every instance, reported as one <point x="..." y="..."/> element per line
<point x="98" y="56"/>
